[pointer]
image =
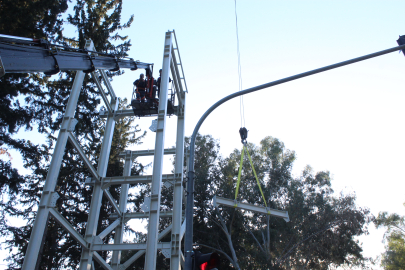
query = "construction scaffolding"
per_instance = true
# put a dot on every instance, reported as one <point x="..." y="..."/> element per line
<point x="91" y="242"/>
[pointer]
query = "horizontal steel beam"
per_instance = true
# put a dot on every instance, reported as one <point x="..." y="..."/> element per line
<point x="141" y="153"/>
<point x="141" y="252"/>
<point x="128" y="113"/>
<point x="251" y="207"/>
<point x="133" y="215"/>
<point x="25" y="59"/>
<point x="134" y="179"/>
<point x="126" y="246"/>
<point x="117" y="114"/>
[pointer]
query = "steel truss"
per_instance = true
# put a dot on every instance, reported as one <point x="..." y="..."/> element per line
<point x="91" y="243"/>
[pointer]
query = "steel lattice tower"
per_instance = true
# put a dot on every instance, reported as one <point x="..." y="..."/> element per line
<point x="91" y="242"/>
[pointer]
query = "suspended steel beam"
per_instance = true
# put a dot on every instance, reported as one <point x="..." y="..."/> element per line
<point x="251" y="207"/>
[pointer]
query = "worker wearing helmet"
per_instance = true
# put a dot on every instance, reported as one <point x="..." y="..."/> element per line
<point x="140" y="88"/>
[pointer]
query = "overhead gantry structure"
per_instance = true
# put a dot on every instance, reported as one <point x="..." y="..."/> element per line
<point x="22" y="55"/>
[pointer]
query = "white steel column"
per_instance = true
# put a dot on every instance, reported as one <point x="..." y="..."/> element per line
<point x="95" y="206"/>
<point x="178" y="189"/>
<point x="119" y="231"/>
<point x="151" y="246"/>
<point x="41" y="219"/>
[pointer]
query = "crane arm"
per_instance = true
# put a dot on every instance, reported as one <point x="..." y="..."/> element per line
<point x="22" y="55"/>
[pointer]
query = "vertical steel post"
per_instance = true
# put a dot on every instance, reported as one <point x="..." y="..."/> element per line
<point x="151" y="245"/>
<point x="119" y="232"/>
<point x="37" y="234"/>
<point x="178" y="189"/>
<point x="95" y="206"/>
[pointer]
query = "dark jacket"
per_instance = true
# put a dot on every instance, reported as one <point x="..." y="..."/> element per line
<point x="140" y="84"/>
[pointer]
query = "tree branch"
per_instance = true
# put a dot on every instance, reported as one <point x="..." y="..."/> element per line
<point x="260" y="246"/>
<point x="281" y="259"/>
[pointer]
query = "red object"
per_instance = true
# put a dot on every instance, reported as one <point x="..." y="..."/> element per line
<point x="204" y="266"/>
<point x="206" y="261"/>
<point x="149" y="92"/>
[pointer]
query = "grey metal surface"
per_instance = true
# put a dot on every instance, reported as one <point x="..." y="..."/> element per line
<point x="40" y="223"/>
<point x="153" y="225"/>
<point x="141" y="153"/>
<point x="251" y="207"/>
<point x="26" y="59"/>
<point x="119" y="232"/>
<point x="95" y="205"/>
<point x="134" y="215"/>
<point x="175" y="256"/>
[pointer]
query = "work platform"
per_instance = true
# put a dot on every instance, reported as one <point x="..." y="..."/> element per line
<point x="150" y="107"/>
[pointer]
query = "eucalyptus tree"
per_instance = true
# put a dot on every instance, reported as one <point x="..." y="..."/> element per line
<point x="323" y="226"/>
<point x="394" y="256"/>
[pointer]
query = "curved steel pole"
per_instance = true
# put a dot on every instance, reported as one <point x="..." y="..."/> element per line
<point x="188" y="244"/>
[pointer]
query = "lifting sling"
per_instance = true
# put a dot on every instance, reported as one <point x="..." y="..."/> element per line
<point x="243" y="134"/>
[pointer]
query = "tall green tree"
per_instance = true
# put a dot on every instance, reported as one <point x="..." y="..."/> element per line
<point x="394" y="256"/>
<point x="43" y="103"/>
<point x="23" y="97"/>
<point x="322" y="229"/>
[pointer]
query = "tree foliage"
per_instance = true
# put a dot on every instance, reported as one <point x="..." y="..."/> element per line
<point x="394" y="256"/>
<point x="34" y="101"/>
<point x="322" y="229"/>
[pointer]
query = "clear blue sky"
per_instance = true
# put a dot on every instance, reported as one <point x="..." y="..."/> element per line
<point x="348" y="121"/>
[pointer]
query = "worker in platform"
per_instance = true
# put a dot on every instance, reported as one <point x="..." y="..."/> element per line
<point x="150" y="86"/>
<point x="158" y="82"/>
<point x="140" y="85"/>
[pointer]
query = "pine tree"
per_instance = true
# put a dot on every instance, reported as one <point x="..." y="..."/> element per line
<point x="23" y="99"/>
<point x="45" y="101"/>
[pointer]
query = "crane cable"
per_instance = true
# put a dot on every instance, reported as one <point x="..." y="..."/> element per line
<point x="241" y="103"/>
<point x="243" y="131"/>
